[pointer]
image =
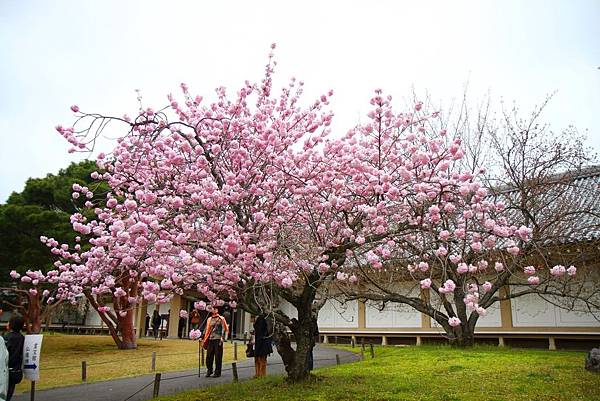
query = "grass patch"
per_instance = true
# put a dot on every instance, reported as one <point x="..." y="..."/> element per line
<point x="429" y="373"/>
<point x="62" y="355"/>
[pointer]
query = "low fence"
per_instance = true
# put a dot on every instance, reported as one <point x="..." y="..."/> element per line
<point x="152" y="359"/>
<point x="234" y="368"/>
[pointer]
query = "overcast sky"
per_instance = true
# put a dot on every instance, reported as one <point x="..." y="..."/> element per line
<point x="96" y="53"/>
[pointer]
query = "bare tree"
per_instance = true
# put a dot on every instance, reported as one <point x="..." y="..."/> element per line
<point x="546" y="182"/>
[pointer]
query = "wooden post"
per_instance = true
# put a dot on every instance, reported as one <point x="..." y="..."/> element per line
<point x="235" y="351"/>
<point x="234" y="371"/>
<point x="153" y="361"/>
<point x="551" y="344"/>
<point x="32" y="392"/>
<point x="500" y="341"/>
<point x="199" y="357"/>
<point x="353" y="341"/>
<point x="83" y="371"/>
<point x="337" y="359"/>
<point x="419" y="342"/>
<point x="372" y="351"/>
<point x="156" y="385"/>
<point x="336" y="340"/>
<point x="362" y="354"/>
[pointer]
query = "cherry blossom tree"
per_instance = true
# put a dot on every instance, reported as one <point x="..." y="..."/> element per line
<point x="43" y="206"/>
<point x="474" y="247"/>
<point x="30" y="296"/>
<point x="197" y="196"/>
<point x="109" y="281"/>
<point x="249" y="200"/>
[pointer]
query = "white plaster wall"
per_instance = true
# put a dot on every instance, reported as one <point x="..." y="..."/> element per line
<point x="393" y="316"/>
<point x="492" y="318"/>
<point x="337" y="315"/>
<point x="288" y="309"/>
<point x="92" y="318"/>
<point x="565" y="318"/>
<point x="533" y="311"/>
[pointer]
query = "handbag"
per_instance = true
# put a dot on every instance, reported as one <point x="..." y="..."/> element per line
<point x="249" y="350"/>
<point x="205" y="342"/>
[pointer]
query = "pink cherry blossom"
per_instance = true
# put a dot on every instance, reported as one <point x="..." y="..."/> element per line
<point x="195" y="335"/>
<point x="558" y="270"/>
<point x="425" y="283"/>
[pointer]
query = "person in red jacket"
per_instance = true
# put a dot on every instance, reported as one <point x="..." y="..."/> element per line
<point x="216" y="334"/>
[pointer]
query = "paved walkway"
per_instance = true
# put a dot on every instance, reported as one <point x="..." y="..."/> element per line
<point x="174" y="382"/>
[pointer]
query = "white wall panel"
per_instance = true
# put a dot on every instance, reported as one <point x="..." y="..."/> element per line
<point x="492" y="318"/>
<point x="392" y="316"/>
<point x="288" y="309"/>
<point x="565" y="318"/>
<point x="92" y="318"/>
<point x="532" y="311"/>
<point x="337" y="315"/>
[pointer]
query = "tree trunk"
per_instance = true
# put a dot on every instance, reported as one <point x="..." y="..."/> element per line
<point x="461" y="336"/>
<point x="127" y="327"/>
<point x="297" y="361"/>
<point x="35" y="321"/>
<point x="298" y="370"/>
<point x="117" y="324"/>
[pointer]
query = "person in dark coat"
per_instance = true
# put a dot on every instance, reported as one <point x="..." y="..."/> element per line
<point x="262" y="345"/>
<point x="147" y="324"/>
<point x="14" y="344"/>
<point x="156" y="321"/>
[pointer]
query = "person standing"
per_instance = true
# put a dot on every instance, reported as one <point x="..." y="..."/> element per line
<point x="216" y="334"/>
<point x="262" y="345"/>
<point x="14" y="344"/>
<point x="147" y="325"/>
<point x="156" y="321"/>
<point x="195" y="319"/>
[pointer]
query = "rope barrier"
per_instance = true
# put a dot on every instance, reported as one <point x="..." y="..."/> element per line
<point x="144" y="357"/>
<point x="117" y="360"/>
<point x="338" y="358"/>
<point x="139" y="391"/>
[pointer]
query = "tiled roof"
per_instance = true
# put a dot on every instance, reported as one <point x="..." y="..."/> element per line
<point x="574" y="196"/>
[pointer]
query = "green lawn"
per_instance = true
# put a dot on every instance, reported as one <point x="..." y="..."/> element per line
<point x="61" y="358"/>
<point x="430" y="373"/>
